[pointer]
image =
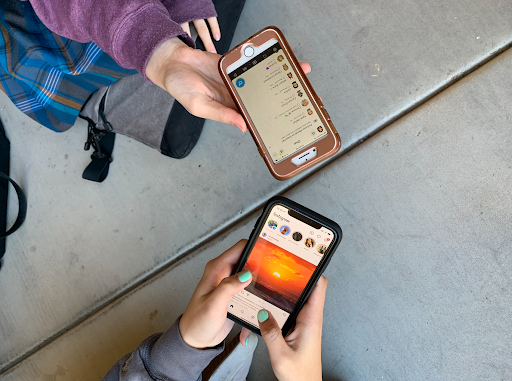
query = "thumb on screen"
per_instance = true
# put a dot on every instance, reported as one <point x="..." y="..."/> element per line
<point x="231" y="286"/>
<point x="271" y="334"/>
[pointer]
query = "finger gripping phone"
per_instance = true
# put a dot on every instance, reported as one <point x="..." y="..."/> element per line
<point x="285" y="117"/>
<point x="287" y="252"/>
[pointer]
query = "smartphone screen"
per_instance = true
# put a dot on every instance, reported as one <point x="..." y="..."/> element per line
<point x="276" y="102"/>
<point x="282" y="261"/>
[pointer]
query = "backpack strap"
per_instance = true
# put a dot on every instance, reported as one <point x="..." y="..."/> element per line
<point x="102" y="141"/>
<point x="4" y="189"/>
<point x="22" y="213"/>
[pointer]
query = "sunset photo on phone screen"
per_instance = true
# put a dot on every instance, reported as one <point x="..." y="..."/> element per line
<point x="278" y="276"/>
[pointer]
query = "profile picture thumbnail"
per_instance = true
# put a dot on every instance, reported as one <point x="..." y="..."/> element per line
<point x="295" y="85"/>
<point x="290" y="75"/>
<point x="299" y="93"/>
<point x="304" y="102"/>
<point x="280" y="58"/>
<point x="310" y="112"/>
<point x="263" y="234"/>
<point x="310" y="242"/>
<point x="285" y="67"/>
<point x="285" y="230"/>
<point x="272" y="224"/>
<point x="320" y="129"/>
<point x="297" y="236"/>
<point x="321" y="249"/>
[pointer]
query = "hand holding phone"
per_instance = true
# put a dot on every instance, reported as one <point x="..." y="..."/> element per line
<point x="191" y="77"/>
<point x="271" y="284"/>
<point x="204" y="323"/>
<point x="298" y="355"/>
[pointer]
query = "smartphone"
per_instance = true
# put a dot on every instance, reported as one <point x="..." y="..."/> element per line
<point x="285" y="117"/>
<point x="287" y="252"/>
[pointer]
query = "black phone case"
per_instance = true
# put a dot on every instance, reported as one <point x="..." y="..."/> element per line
<point x="319" y="270"/>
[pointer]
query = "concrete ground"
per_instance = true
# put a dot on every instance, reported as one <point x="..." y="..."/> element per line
<point x="419" y="288"/>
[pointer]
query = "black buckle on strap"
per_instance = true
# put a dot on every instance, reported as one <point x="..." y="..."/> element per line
<point x="103" y="144"/>
<point x="102" y="141"/>
<point x="94" y="137"/>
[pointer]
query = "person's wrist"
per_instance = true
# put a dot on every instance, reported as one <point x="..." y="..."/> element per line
<point x="158" y="62"/>
<point x="186" y="336"/>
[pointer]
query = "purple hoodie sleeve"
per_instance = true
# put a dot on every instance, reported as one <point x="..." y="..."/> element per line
<point x="188" y="10"/>
<point x="128" y="30"/>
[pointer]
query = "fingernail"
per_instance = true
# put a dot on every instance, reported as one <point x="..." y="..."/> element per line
<point x="244" y="276"/>
<point x="213" y="51"/>
<point x="247" y="342"/>
<point x="217" y="37"/>
<point x="262" y="316"/>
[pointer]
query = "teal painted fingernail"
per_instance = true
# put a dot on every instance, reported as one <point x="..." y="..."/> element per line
<point x="262" y="316"/>
<point x="244" y="276"/>
<point x="247" y="342"/>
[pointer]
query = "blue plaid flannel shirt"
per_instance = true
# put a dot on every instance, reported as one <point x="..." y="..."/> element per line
<point x="49" y="77"/>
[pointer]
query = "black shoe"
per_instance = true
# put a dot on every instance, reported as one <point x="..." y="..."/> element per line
<point x="182" y="131"/>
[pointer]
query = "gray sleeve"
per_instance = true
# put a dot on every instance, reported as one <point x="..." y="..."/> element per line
<point x="163" y="357"/>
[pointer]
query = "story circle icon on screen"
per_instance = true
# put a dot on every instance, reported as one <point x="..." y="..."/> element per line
<point x="297" y="236"/>
<point x="272" y="224"/>
<point x="310" y="242"/>
<point x="321" y="249"/>
<point x="285" y="230"/>
<point x="240" y="82"/>
<point x="263" y="234"/>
